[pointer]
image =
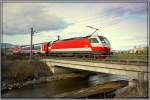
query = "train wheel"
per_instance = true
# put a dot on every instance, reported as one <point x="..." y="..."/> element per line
<point x="87" y="55"/>
<point x="100" y="56"/>
<point x="47" y="54"/>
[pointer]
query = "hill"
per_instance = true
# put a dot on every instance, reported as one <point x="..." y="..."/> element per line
<point x="7" y="45"/>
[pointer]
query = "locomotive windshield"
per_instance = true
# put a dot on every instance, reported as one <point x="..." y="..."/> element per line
<point x="104" y="40"/>
<point x="93" y="40"/>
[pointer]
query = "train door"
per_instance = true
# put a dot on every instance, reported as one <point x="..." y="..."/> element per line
<point x="49" y="46"/>
<point x="44" y="48"/>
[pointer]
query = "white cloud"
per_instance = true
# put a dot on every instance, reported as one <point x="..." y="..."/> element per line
<point x="20" y="17"/>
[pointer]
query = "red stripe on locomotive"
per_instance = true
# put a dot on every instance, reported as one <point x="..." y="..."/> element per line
<point x="100" y="48"/>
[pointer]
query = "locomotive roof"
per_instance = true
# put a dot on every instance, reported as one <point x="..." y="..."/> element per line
<point x="73" y="38"/>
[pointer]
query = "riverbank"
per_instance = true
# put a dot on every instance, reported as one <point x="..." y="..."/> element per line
<point x="133" y="90"/>
<point x="18" y="71"/>
<point x="51" y="78"/>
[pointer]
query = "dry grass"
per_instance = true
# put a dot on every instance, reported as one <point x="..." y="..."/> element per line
<point x="19" y="69"/>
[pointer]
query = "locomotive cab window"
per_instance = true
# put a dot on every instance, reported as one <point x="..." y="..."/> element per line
<point x="93" y="40"/>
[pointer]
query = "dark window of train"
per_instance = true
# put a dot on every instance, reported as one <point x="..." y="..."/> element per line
<point x="37" y="47"/>
<point x="93" y="40"/>
<point x="104" y="40"/>
<point x="49" y="44"/>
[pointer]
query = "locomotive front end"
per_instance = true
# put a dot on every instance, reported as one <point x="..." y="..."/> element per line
<point x="100" y="45"/>
<point x="105" y="45"/>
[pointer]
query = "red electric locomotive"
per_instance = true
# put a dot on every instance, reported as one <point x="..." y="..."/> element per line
<point x="93" y="45"/>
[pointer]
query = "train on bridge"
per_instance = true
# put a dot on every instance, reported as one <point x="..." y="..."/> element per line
<point x="90" y="46"/>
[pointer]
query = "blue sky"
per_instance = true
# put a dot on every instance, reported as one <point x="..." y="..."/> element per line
<point x="124" y="24"/>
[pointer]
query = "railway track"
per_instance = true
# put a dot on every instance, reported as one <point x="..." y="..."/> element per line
<point x="110" y="59"/>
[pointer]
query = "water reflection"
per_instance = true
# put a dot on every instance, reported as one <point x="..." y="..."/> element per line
<point x="103" y="78"/>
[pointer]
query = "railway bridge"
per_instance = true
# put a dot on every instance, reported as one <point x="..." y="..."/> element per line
<point x="139" y="72"/>
<point x="131" y="71"/>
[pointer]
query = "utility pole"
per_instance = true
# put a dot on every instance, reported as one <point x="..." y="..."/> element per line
<point x="32" y="32"/>
<point x="5" y="49"/>
<point x="58" y="37"/>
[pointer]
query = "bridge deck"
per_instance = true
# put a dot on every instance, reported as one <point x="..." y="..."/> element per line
<point x="120" y="69"/>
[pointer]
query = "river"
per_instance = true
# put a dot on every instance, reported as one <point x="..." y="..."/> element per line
<point x="48" y="89"/>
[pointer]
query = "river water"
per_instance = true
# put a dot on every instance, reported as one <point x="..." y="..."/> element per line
<point x="47" y="90"/>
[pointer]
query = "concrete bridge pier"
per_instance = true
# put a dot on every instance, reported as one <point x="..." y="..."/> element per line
<point x="141" y="83"/>
<point x="138" y="83"/>
<point x="51" y="67"/>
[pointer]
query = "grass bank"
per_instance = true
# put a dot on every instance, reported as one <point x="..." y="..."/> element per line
<point x="18" y="69"/>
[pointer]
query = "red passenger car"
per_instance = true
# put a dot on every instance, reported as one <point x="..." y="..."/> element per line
<point x="16" y="51"/>
<point x="25" y="49"/>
